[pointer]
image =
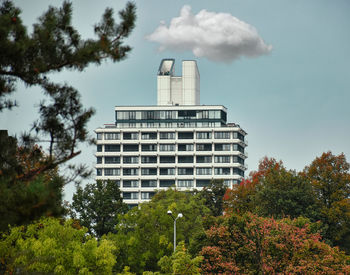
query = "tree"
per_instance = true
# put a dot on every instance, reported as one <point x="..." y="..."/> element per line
<point x="145" y="233"/>
<point x="213" y="196"/>
<point x="180" y="262"/>
<point x="54" y="45"/>
<point x="329" y="176"/>
<point x="274" y="191"/>
<point x="54" y="246"/>
<point x="97" y="207"/>
<point x="22" y="202"/>
<point x="250" y="244"/>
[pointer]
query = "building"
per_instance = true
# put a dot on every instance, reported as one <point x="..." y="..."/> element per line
<point x="176" y="143"/>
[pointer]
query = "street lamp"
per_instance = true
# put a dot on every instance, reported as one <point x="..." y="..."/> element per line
<point x="178" y="216"/>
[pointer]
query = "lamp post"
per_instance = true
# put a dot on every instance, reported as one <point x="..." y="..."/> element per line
<point x="178" y="216"/>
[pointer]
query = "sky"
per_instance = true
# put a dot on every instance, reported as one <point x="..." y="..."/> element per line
<point x="280" y="67"/>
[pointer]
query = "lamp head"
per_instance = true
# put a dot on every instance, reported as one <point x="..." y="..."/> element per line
<point x="179" y="215"/>
<point x="169" y="212"/>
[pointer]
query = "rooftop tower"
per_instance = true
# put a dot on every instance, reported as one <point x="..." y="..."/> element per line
<point x="178" y="90"/>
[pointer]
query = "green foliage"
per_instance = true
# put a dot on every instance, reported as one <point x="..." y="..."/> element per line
<point x="97" y="207"/>
<point x="145" y="234"/>
<point x="22" y="201"/>
<point x="250" y="244"/>
<point x="273" y="191"/>
<point x="53" y="46"/>
<point x="29" y="182"/>
<point x="284" y="193"/>
<point x="213" y="196"/>
<point x="53" y="246"/>
<point x="180" y="262"/>
<point x="329" y="176"/>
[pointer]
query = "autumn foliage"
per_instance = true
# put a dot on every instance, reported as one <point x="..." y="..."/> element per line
<point x="251" y="244"/>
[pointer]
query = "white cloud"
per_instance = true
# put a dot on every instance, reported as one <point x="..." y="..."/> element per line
<point x="215" y="36"/>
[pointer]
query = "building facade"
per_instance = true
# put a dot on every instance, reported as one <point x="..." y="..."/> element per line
<point x="176" y="143"/>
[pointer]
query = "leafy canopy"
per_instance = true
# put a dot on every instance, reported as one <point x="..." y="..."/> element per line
<point x="145" y="233"/>
<point x="97" y="207"/>
<point x="54" y="246"/>
<point x="249" y="244"/>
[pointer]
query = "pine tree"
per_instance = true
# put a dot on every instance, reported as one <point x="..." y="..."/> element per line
<point x="53" y="45"/>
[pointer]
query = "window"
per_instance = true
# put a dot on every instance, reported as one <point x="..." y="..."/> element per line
<point x="222" y="159"/>
<point x="130" y="171"/>
<point x="204" y="147"/>
<point x="130" y="195"/>
<point x="222" y="171"/>
<point x="166" y="183"/>
<point x="238" y="135"/>
<point x="204" y="171"/>
<point x="149" y="171"/>
<point x="187" y="113"/>
<point x="237" y="171"/>
<point x="148" y="183"/>
<point x="99" y="148"/>
<point x="167" y="171"/>
<point x="112" y="136"/>
<point x="222" y="135"/>
<point x="185" y="159"/>
<point x="147" y="195"/>
<point x="185" y="171"/>
<point x="149" y="114"/>
<point x="203" y="135"/>
<point x="99" y="172"/>
<point x="149" y="135"/>
<point x="237" y="147"/>
<point x="130" y="183"/>
<point x="126" y="115"/>
<point x="185" y="147"/>
<point x="129" y="159"/>
<point x="167" y="135"/>
<point x="185" y="183"/>
<point x="112" y="148"/>
<point x="99" y="160"/>
<point x="222" y="147"/>
<point x="149" y="147"/>
<point x="131" y="136"/>
<point x="99" y="136"/>
<point x="202" y="183"/>
<point x="203" y="159"/>
<point x="203" y="114"/>
<point x="112" y="160"/>
<point x="112" y="171"/>
<point x="130" y="147"/>
<point x="214" y="114"/>
<point x="223" y="116"/>
<point x="167" y="159"/>
<point x="148" y="159"/>
<point x="166" y="147"/>
<point x="185" y="135"/>
<point x="227" y="183"/>
<point x="237" y="159"/>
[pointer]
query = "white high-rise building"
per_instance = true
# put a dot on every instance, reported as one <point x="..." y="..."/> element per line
<point x="176" y="143"/>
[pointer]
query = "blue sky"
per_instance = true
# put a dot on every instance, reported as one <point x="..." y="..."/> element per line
<point x="293" y="101"/>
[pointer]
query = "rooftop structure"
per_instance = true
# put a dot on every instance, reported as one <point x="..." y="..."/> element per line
<point x="178" y="90"/>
